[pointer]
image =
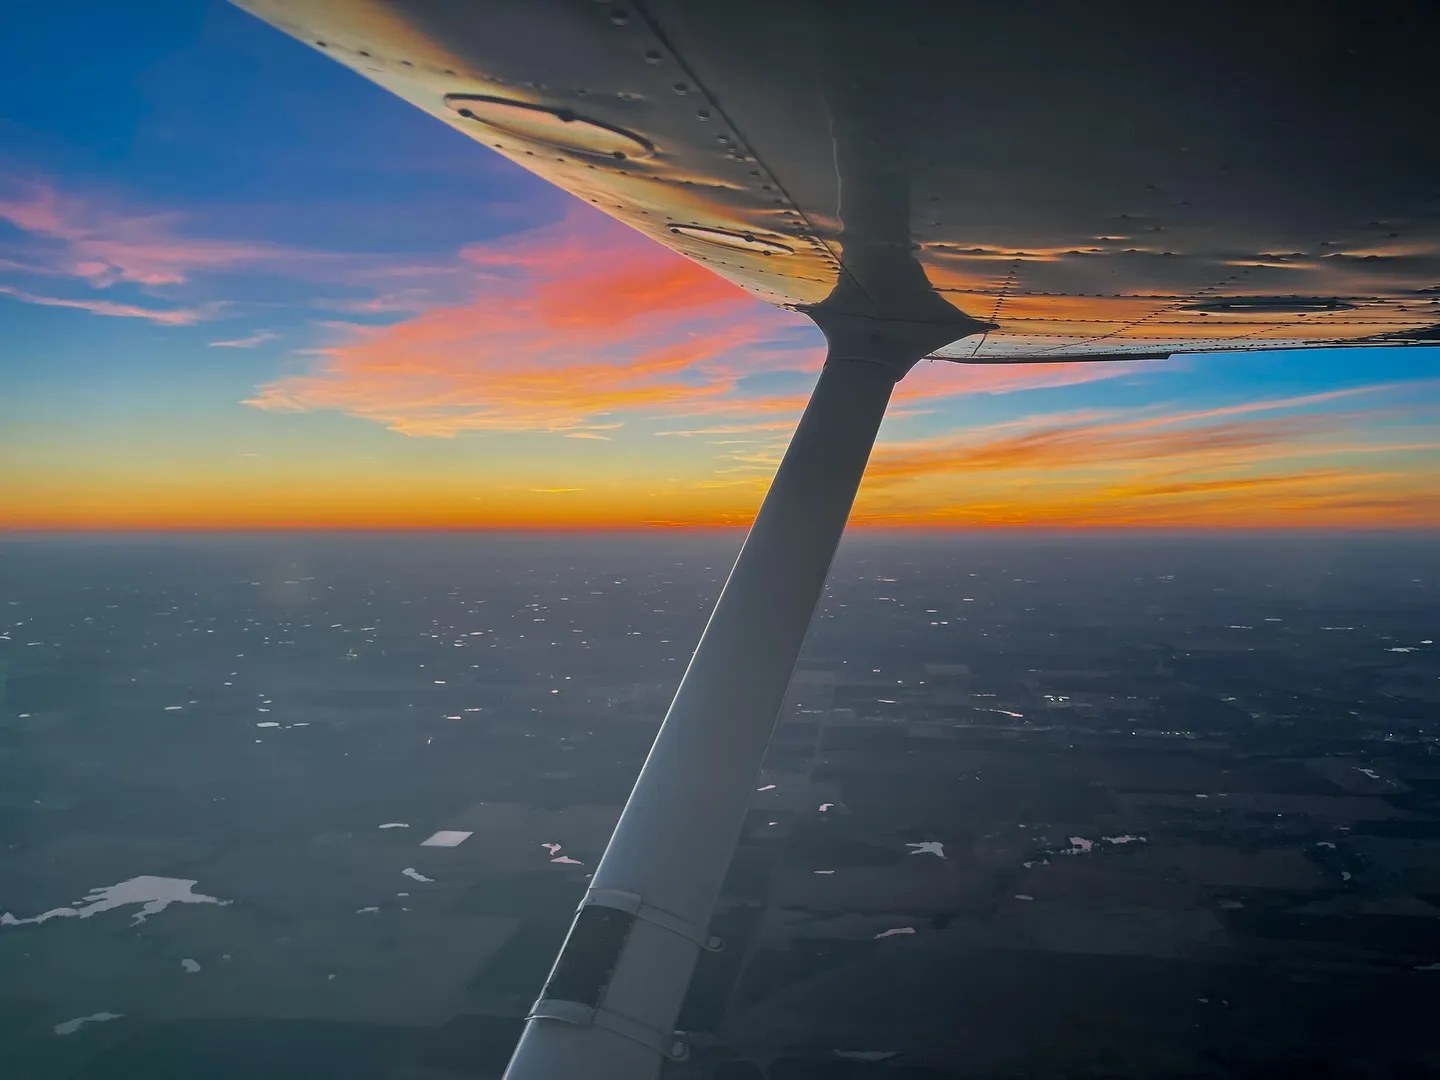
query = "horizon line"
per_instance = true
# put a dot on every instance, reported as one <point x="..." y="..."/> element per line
<point x="707" y="527"/>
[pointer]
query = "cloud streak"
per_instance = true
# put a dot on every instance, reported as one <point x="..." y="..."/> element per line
<point x="1239" y="464"/>
<point x="257" y="338"/>
<point x="163" y="316"/>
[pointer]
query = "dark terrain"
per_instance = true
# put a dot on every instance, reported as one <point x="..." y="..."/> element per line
<point x="1038" y="807"/>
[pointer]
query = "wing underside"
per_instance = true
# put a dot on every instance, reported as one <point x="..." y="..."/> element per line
<point x="1069" y="186"/>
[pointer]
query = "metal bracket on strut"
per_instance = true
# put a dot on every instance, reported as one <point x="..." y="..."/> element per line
<point x="633" y="904"/>
<point x="573" y="1012"/>
<point x="579" y="989"/>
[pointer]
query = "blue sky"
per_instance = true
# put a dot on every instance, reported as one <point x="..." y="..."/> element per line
<point x="241" y="286"/>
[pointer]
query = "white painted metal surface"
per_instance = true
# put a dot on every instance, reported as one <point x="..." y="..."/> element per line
<point x="673" y="842"/>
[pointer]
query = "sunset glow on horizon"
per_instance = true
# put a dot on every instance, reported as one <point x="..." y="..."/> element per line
<point x="307" y="305"/>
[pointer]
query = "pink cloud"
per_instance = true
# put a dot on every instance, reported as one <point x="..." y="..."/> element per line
<point x="73" y="237"/>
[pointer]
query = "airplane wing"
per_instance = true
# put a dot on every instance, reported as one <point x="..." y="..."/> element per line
<point x="998" y="183"/>
<point x="1077" y="181"/>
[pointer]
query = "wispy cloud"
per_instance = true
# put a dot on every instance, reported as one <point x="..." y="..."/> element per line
<point x="67" y="236"/>
<point x="257" y="338"/>
<point x="1100" y="438"/>
<point x="1068" y="446"/>
<point x="164" y="316"/>
<point x="1264" y="462"/>
<point x="736" y="429"/>
<point x="48" y="234"/>
<point x="941" y="379"/>
<point x="401" y="301"/>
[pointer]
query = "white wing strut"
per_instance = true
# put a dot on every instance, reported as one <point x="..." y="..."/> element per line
<point x="609" y="1007"/>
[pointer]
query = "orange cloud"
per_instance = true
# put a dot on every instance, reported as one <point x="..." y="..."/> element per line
<point x="568" y="326"/>
<point x="1071" y="445"/>
<point x="1088" y="441"/>
<point x="1317" y="500"/>
<point x="1221" y="466"/>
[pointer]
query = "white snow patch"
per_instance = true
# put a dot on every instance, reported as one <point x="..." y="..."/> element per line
<point x="191" y="966"/>
<point x="767" y="787"/>
<point x="825" y="806"/>
<point x="1369" y="772"/>
<point x="69" y="1027"/>
<point x="268" y="723"/>
<point x="895" y="930"/>
<point x="1325" y="843"/>
<point x="365" y="910"/>
<point x="446" y="838"/>
<point x="155" y="893"/>
<point x="395" y="825"/>
<point x="824" y="871"/>
<point x="415" y="875"/>
<point x="1023" y="896"/>
<point x="1078" y="846"/>
<point x="928" y="847"/>
<point x="553" y="849"/>
<point x="566" y="860"/>
<point x="1127" y="838"/>
<point x="168" y="708"/>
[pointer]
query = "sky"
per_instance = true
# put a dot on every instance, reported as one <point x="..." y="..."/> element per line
<point x="241" y="287"/>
